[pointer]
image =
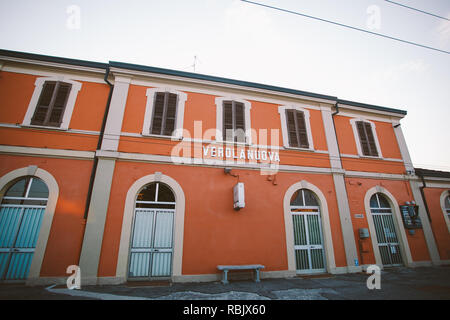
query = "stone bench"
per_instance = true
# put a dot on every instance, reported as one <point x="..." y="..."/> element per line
<point x="225" y="270"/>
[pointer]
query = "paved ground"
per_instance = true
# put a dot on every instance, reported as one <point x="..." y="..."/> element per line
<point x="396" y="283"/>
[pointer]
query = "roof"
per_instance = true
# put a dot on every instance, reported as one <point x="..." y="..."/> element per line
<point x="432" y="173"/>
<point x="191" y="75"/>
<point x="40" y="57"/>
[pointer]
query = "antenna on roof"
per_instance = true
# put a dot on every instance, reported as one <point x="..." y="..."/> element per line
<point x="195" y="62"/>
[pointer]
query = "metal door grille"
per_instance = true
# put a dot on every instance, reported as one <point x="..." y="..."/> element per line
<point x="308" y="239"/>
<point x="385" y="231"/>
<point x="152" y="243"/>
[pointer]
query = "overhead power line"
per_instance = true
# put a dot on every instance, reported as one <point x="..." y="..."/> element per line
<point x="415" y="9"/>
<point x="347" y="26"/>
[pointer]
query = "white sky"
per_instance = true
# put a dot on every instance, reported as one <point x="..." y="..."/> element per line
<point x="242" y="41"/>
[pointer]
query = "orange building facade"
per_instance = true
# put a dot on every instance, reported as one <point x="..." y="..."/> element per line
<point x="128" y="172"/>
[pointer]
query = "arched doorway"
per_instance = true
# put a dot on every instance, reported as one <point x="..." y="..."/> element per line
<point x="21" y="214"/>
<point x="385" y="231"/>
<point x="308" y="237"/>
<point x="152" y="243"/>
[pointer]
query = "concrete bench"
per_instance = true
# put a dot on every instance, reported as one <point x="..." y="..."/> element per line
<point x="225" y="270"/>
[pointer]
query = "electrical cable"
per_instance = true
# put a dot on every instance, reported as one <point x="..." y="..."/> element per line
<point x="347" y="26"/>
<point x="415" y="9"/>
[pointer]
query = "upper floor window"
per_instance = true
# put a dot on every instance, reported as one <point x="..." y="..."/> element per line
<point x="52" y="102"/>
<point x="366" y="139"/>
<point x="295" y="126"/>
<point x="164" y="112"/>
<point x="233" y="120"/>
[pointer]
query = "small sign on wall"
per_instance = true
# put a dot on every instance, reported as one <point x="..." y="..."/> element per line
<point x="359" y="216"/>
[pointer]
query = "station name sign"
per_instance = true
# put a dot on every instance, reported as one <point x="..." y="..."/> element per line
<point x="240" y="154"/>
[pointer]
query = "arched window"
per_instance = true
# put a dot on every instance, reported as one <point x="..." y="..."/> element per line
<point x="308" y="239"/>
<point x="304" y="197"/>
<point x="385" y="230"/>
<point x="447" y="206"/>
<point x="21" y="212"/>
<point x="152" y="240"/>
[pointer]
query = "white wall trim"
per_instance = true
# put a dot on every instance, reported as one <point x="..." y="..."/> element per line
<point x="445" y="194"/>
<point x="54" y="153"/>
<point x="53" y="192"/>
<point x="219" y="118"/>
<point x="404" y="245"/>
<point x="39" y="83"/>
<point x="326" y="226"/>
<point x="284" y="130"/>
<point x="181" y="102"/>
<point x="358" y="142"/>
<point x="127" y="222"/>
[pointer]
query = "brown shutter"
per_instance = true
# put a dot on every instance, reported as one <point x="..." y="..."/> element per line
<point x="170" y="114"/>
<point x="43" y="105"/>
<point x="301" y="129"/>
<point x="59" y="104"/>
<point x="367" y="139"/>
<point x="158" y="113"/>
<point x="371" y="140"/>
<point x="292" y="131"/>
<point x="239" y="127"/>
<point x="227" y="121"/>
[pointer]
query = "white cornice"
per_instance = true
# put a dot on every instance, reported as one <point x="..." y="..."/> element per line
<point x="53" y="64"/>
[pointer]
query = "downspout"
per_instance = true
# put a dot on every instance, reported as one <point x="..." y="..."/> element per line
<point x="99" y="145"/>
<point x="422" y="193"/>
<point x="335" y="134"/>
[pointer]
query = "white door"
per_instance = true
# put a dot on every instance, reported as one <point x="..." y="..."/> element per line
<point x="383" y="220"/>
<point x="308" y="238"/>
<point x="151" y="250"/>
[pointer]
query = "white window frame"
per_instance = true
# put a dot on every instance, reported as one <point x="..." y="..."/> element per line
<point x="39" y="84"/>
<point x="181" y="101"/>
<point x="358" y="141"/>
<point x="219" y="119"/>
<point x="284" y="128"/>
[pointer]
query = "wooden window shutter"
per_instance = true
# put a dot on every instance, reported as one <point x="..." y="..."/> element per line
<point x="296" y="127"/>
<point x="367" y="139"/>
<point x="171" y="114"/>
<point x="292" y="130"/>
<point x="59" y="104"/>
<point x="233" y="121"/>
<point x="52" y="103"/>
<point x="40" y="113"/>
<point x="239" y="122"/>
<point x="158" y="113"/>
<point x="164" y="113"/>
<point x="301" y="128"/>
<point x="371" y="140"/>
<point x="227" y="120"/>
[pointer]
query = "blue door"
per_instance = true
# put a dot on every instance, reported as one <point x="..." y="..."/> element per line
<point x="21" y="213"/>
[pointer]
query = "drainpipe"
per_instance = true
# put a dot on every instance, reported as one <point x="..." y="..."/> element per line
<point x="335" y="134"/>
<point x="422" y="193"/>
<point x="99" y="144"/>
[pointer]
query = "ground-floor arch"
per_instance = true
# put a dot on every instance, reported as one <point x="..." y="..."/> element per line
<point x="39" y="216"/>
<point x="126" y="238"/>
<point x="292" y="223"/>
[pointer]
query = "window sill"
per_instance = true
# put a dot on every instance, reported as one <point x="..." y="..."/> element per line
<point x="158" y="136"/>
<point x="32" y="126"/>
<point x="298" y="149"/>
<point x="233" y="143"/>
